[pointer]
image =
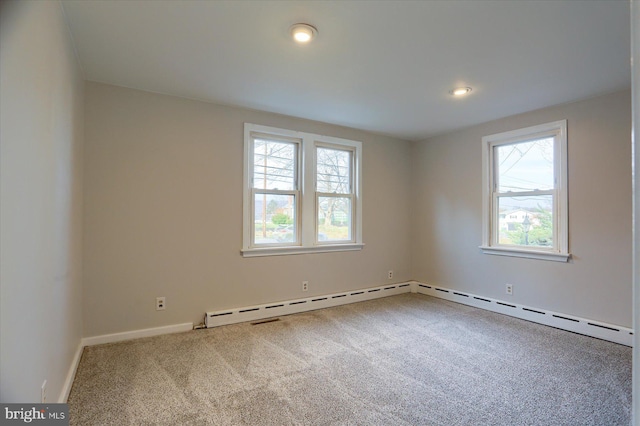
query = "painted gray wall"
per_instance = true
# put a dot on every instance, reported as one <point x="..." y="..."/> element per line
<point x="41" y="128"/>
<point x="163" y="213"/>
<point x="162" y="173"/>
<point x="447" y="215"/>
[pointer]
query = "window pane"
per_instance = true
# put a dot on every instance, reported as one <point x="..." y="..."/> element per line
<point x="333" y="171"/>
<point x="525" y="166"/>
<point x="275" y="219"/>
<point x="274" y="164"/>
<point x="526" y="221"/>
<point x="334" y="218"/>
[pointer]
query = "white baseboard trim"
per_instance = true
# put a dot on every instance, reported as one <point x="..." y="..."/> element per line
<point x="600" y="330"/>
<point x="71" y="375"/>
<point x="136" y="334"/>
<point x="270" y="310"/>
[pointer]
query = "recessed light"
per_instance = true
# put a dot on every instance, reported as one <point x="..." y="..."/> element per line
<point x="460" y="91"/>
<point x="303" y="33"/>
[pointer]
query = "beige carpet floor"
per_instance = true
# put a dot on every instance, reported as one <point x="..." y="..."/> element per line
<point x="402" y="360"/>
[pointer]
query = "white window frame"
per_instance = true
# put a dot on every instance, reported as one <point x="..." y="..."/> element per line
<point x="295" y="192"/>
<point x="306" y="200"/>
<point x="490" y="214"/>
<point x="351" y="194"/>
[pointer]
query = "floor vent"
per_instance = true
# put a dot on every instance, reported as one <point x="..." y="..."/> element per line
<point x="271" y="310"/>
<point x="604" y="331"/>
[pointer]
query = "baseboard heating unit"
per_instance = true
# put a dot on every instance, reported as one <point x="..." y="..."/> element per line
<point x="270" y="310"/>
<point x="600" y="330"/>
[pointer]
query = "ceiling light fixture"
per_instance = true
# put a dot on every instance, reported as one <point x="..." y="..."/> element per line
<point x="303" y="33"/>
<point x="460" y="91"/>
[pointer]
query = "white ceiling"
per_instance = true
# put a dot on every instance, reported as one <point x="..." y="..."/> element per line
<point x="382" y="66"/>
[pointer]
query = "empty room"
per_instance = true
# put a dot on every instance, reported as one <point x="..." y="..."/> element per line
<point x="318" y="212"/>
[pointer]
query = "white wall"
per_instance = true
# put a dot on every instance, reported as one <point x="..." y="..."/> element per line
<point x="41" y="131"/>
<point x="163" y="213"/>
<point x="447" y="215"/>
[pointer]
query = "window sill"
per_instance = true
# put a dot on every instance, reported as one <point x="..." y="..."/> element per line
<point x="281" y="251"/>
<point x="531" y="254"/>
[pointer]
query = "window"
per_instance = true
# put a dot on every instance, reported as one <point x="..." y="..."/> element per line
<point x="334" y="194"/>
<point x="274" y="190"/>
<point x="302" y="192"/>
<point x="525" y="210"/>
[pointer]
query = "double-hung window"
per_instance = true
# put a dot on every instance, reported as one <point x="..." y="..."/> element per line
<point x="302" y="192"/>
<point x="525" y="205"/>
<point x="334" y="193"/>
<point x="275" y="190"/>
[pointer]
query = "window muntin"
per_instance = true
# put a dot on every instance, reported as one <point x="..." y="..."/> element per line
<point x="293" y="181"/>
<point x="334" y="194"/>
<point x="525" y="193"/>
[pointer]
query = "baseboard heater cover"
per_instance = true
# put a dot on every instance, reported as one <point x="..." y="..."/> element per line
<point x="269" y="310"/>
<point x="600" y="330"/>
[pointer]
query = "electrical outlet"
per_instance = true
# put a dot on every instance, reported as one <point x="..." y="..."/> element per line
<point x="43" y="392"/>
<point x="161" y="303"/>
<point x="390" y="275"/>
<point x="305" y="285"/>
<point x="509" y="289"/>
